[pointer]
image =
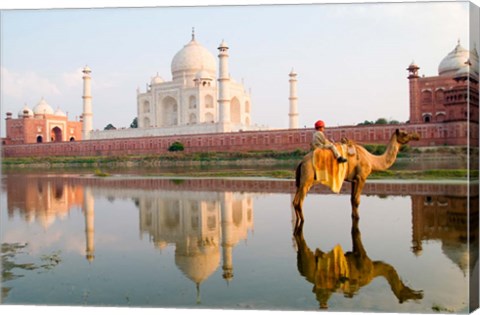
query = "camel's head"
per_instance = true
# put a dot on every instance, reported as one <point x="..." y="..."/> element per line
<point x="404" y="137"/>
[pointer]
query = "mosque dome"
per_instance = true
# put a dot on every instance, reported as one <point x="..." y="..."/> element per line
<point x="200" y="265"/>
<point x="192" y="58"/>
<point x="25" y="111"/>
<point x="454" y="61"/>
<point x="59" y="112"/>
<point x="157" y="80"/>
<point x="42" y="108"/>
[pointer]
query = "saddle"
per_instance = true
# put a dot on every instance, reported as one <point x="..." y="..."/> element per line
<point x="328" y="171"/>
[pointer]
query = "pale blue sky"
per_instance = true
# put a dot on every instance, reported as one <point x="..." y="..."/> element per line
<point x="350" y="58"/>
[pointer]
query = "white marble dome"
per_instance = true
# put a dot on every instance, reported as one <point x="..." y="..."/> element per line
<point x="25" y="111"/>
<point x="192" y="58"/>
<point x="157" y="80"/>
<point x="59" y="112"/>
<point x="43" y="108"/>
<point x="454" y="61"/>
<point x="199" y="265"/>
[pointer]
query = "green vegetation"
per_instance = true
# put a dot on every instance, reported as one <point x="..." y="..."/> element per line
<point x="379" y="149"/>
<point x="176" y="146"/>
<point x="99" y="173"/>
<point x="379" y="121"/>
<point x="441" y="309"/>
<point x="10" y="252"/>
<point x="134" y="123"/>
<point x="271" y="164"/>
<point x="109" y="127"/>
<point x="426" y="174"/>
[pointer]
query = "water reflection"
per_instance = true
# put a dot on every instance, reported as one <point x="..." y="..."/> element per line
<point x="452" y="220"/>
<point x="42" y="200"/>
<point x="203" y="226"/>
<point x="337" y="271"/>
<point x="205" y="219"/>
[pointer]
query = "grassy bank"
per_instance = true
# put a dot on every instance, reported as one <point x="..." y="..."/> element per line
<point x="290" y="174"/>
<point x="167" y="159"/>
<point x="245" y="164"/>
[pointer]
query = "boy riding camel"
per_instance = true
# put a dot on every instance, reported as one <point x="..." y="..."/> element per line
<point x="320" y="141"/>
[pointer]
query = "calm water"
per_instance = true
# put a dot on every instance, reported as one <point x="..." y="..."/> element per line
<point x="220" y="243"/>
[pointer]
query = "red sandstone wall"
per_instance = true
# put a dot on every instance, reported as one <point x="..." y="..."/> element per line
<point x="454" y="133"/>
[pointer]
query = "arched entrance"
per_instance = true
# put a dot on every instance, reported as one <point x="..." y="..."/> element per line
<point x="56" y="134"/>
<point x="168" y="112"/>
<point x="235" y="111"/>
<point x="39" y="139"/>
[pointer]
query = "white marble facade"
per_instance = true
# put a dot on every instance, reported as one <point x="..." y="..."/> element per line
<point x="198" y="99"/>
<point x="191" y="98"/>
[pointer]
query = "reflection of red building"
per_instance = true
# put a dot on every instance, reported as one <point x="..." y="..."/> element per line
<point x="42" y="199"/>
<point x="42" y="124"/>
<point x="450" y="96"/>
<point x="453" y="220"/>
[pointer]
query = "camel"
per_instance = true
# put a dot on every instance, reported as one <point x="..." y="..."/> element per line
<point x="359" y="166"/>
<point x="348" y="272"/>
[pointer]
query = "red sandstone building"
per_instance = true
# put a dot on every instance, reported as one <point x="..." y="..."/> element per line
<point x="450" y="96"/>
<point x="443" y="111"/>
<point x="40" y="125"/>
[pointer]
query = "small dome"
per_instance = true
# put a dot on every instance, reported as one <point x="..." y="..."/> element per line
<point x="157" y="80"/>
<point x="43" y="108"/>
<point x="25" y="111"/>
<point x="59" y="112"/>
<point x="454" y="61"/>
<point x="192" y="58"/>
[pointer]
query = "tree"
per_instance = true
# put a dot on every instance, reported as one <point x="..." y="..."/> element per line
<point x="366" y="122"/>
<point x="176" y="146"/>
<point x="134" y="123"/>
<point x="381" y="121"/>
<point x="110" y="127"/>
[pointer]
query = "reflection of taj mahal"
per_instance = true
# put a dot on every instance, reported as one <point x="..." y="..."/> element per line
<point x="204" y="226"/>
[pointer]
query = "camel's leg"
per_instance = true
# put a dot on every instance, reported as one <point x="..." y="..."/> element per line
<point x="357" y="187"/>
<point x="300" y="195"/>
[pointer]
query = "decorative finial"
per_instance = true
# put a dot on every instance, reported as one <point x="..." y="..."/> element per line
<point x="193" y="33"/>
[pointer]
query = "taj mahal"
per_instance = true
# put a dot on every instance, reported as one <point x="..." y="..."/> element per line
<point x="195" y="101"/>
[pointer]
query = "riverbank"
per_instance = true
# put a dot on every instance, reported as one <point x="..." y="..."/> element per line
<point x="428" y="163"/>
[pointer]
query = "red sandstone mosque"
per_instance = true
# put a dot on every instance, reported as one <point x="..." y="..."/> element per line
<point x="450" y="96"/>
<point x="443" y="110"/>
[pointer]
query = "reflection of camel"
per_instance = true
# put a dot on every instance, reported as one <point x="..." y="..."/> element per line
<point x="360" y="165"/>
<point x="335" y="271"/>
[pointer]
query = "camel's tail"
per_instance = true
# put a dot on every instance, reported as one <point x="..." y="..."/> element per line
<point x="298" y="172"/>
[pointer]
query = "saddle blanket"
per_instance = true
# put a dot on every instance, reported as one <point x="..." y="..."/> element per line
<point x="328" y="171"/>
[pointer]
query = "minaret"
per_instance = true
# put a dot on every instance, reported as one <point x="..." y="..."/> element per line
<point x="87" y="104"/>
<point x="224" y="87"/>
<point x="89" y="212"/>
<point x="227" y="236"/>
<point x="415" y="114"/>
<point x="293" y="114"/>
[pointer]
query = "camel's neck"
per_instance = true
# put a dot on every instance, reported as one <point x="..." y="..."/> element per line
<point x="384" y="161"/>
